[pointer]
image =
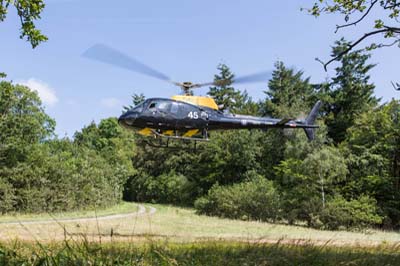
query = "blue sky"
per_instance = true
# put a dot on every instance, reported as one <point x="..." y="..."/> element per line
<point x="184" y="39"/>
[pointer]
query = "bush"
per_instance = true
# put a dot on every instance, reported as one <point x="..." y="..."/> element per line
<point x="251" y="200"/>
<point x="60" y="176"/>
<point x="166" y="188"/>
<point x="356" y="214"/>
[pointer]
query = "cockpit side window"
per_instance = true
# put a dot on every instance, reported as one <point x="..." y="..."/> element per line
<point x="174" y="107"/>
<point x="153" y="106"/>
<point x="164" y="106"/>
<point x="160" y="105"/>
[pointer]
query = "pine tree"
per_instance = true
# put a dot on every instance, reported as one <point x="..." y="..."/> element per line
<point x="350" y="91"/>
<point x="225" y="95"/>
<point x="136" y="99"/>
<point x="289" y="94"/>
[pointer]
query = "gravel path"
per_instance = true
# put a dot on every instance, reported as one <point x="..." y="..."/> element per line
<point x="141" y="211"/>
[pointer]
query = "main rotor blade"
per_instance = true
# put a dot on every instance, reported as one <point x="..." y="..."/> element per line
<point x="108" y="55"/>
<point x="257" y="77"/>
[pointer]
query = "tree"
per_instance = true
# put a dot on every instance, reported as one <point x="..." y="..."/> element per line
<point x="248" y="106"/>
<point x="136" y="99"/>
<point x="288" y="94"/>
<point x="41" y="173"/>
<point x="28" y="11"/>
<point x="374" y="158"/>
<point x="305" y="183"/>
<point x="327" y="167"/>
<point x="350" y="91"/>
<point x="23" y="123"/>
<point x="385" y="13"/>
<point x="225" y="95"/>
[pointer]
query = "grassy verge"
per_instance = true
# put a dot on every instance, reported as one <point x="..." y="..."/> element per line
<point x="123" y="207"/>
<point x="199" y="253"/>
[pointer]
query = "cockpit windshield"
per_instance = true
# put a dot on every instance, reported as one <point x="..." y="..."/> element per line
<point x="138" y="108"/>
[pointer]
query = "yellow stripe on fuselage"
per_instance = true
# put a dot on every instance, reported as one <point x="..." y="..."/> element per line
<point x="146" y="131"/>
<point x="190" y="133"/>
<point x="168" y="133"/>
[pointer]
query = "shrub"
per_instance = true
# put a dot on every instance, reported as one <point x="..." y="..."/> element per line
<point x="357" y="214"/>
<point x="6" y="196"/>
<point x="166" y="188"/>
<point x="251" y="200"/>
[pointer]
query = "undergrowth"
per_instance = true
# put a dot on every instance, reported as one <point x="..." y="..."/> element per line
<point x="83" y="252"/>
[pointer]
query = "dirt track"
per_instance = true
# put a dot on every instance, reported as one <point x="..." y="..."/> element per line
<point x="141" y="211"/>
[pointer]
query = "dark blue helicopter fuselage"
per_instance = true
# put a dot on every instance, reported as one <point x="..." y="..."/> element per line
<point x="168" y="115"/>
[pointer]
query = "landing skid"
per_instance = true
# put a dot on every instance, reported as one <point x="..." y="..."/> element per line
<point x="164" y="141"/>
<point x="159" y="135"/>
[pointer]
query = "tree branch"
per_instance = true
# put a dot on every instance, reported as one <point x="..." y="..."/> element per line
<point x="389" y="44"/>
<point x="394" y="5"/>
<point x="351" y="46"/>
<point x="359" y="20"/>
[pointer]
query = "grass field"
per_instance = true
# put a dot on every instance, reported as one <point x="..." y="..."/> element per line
<point x="167" y="235"/>
<point x="199" y="253"/>
<point x="176" y="224"/>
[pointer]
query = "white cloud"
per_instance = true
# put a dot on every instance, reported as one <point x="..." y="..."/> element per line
<point x="110" y="102"/>
<point x="46" y="93"/>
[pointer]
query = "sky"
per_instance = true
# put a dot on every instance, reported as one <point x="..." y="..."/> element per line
<point x="184" y="39"/>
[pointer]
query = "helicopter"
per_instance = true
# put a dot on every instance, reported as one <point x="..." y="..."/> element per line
<point x="187" y="117"/>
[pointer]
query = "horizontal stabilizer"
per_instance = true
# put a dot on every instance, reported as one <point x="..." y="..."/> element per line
<point x="284" y="121"/>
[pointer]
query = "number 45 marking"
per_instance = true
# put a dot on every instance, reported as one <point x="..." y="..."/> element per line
<point x="193" y="115"/>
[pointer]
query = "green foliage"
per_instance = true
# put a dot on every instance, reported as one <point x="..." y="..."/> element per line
<point x="28" y="11"/>
<point x="358" y="213"/>
<point x="58" y="176"/>
<point x="377" y="134"/>
<point x="350" y="92"/>
<point x="136" y="99"/>
<point x="373" y="149"/>
<point x="228" y="157"/>
<point x="41" y="173"/>
<point x="256" y="199"/>
<point x="198" y="253"/>
<point x="288" y="94"/>
<point x="165" y="188"/>
<point x="225" y="95"/>
<point x="225" y="159"/>
<point x="305" y="184"/>
<point x="23" y="122"/>
<point x="384" y="13"/>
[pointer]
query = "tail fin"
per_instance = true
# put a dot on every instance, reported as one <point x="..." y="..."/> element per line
<point x="310" y="120"/>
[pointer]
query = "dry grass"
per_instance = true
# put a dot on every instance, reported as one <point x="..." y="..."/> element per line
<point x="183" y="225"/>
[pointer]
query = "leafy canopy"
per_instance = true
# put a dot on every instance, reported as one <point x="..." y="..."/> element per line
<point x="28" y="11"/>
<point x="384" y="13"/>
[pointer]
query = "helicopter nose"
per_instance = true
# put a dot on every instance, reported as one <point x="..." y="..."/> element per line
<point x="127" y="119"/>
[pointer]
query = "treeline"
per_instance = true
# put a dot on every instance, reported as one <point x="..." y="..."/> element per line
<point x="39" y="172"/>
<point x="347" y="178"/>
